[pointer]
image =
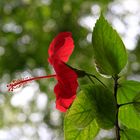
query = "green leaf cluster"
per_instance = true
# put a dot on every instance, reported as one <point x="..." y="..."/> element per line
<point x="99" y="107"/>
<point x="86" y="116"/>
<point x="129" y="115"/>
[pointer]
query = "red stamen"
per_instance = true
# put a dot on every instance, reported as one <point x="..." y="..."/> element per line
<point x="21" y="82"/>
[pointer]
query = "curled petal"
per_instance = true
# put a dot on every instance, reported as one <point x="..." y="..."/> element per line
<point x="61" y="47"/>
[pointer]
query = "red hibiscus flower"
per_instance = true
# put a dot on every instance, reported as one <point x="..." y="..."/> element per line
<point x="59" y="52"/>
<point x="61" y="47"/>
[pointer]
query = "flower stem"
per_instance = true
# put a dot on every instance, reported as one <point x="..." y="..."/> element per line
<point x="117" y="111"/>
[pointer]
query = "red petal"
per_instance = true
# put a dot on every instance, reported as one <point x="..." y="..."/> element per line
<point x="61" y="47"/>
<point x="66" y="87"/>
<point x="64" y="104"/>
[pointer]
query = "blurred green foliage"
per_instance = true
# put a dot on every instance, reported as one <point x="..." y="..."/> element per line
<point x="28" y="27"/>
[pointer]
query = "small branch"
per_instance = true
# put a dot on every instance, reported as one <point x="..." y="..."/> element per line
<point x="82" y="73"/>
<point x="117" y="112"/>
<point x="115" y="86"/>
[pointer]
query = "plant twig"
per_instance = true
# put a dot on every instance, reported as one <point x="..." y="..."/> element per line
<point x="82" y="73"/>
<point x="117" y="111"/>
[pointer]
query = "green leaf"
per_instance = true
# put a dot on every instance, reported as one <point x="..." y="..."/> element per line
<point x="127" y="91"/>
<point x="94" y="107"/>
<point x="130" y="134"/>
<point x="79" y="123"/>
<point x="74" y="133"/>
<point x="109" y="51"/>
<point x="129" y="117"/>
<point x="104" y="105"/>
<point x="136" y="103"/>
<point x="82" y="112"/>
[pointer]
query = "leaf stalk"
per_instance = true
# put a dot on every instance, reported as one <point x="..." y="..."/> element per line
<point x="120" y="105"/>
<point x="88" y="74"/>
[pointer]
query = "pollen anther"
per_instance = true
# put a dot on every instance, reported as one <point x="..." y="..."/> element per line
<point x="18" y="83"/>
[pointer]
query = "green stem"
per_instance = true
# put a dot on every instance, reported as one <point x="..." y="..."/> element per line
<point x="82" y="73"/>
<point x="117" y="111"/>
